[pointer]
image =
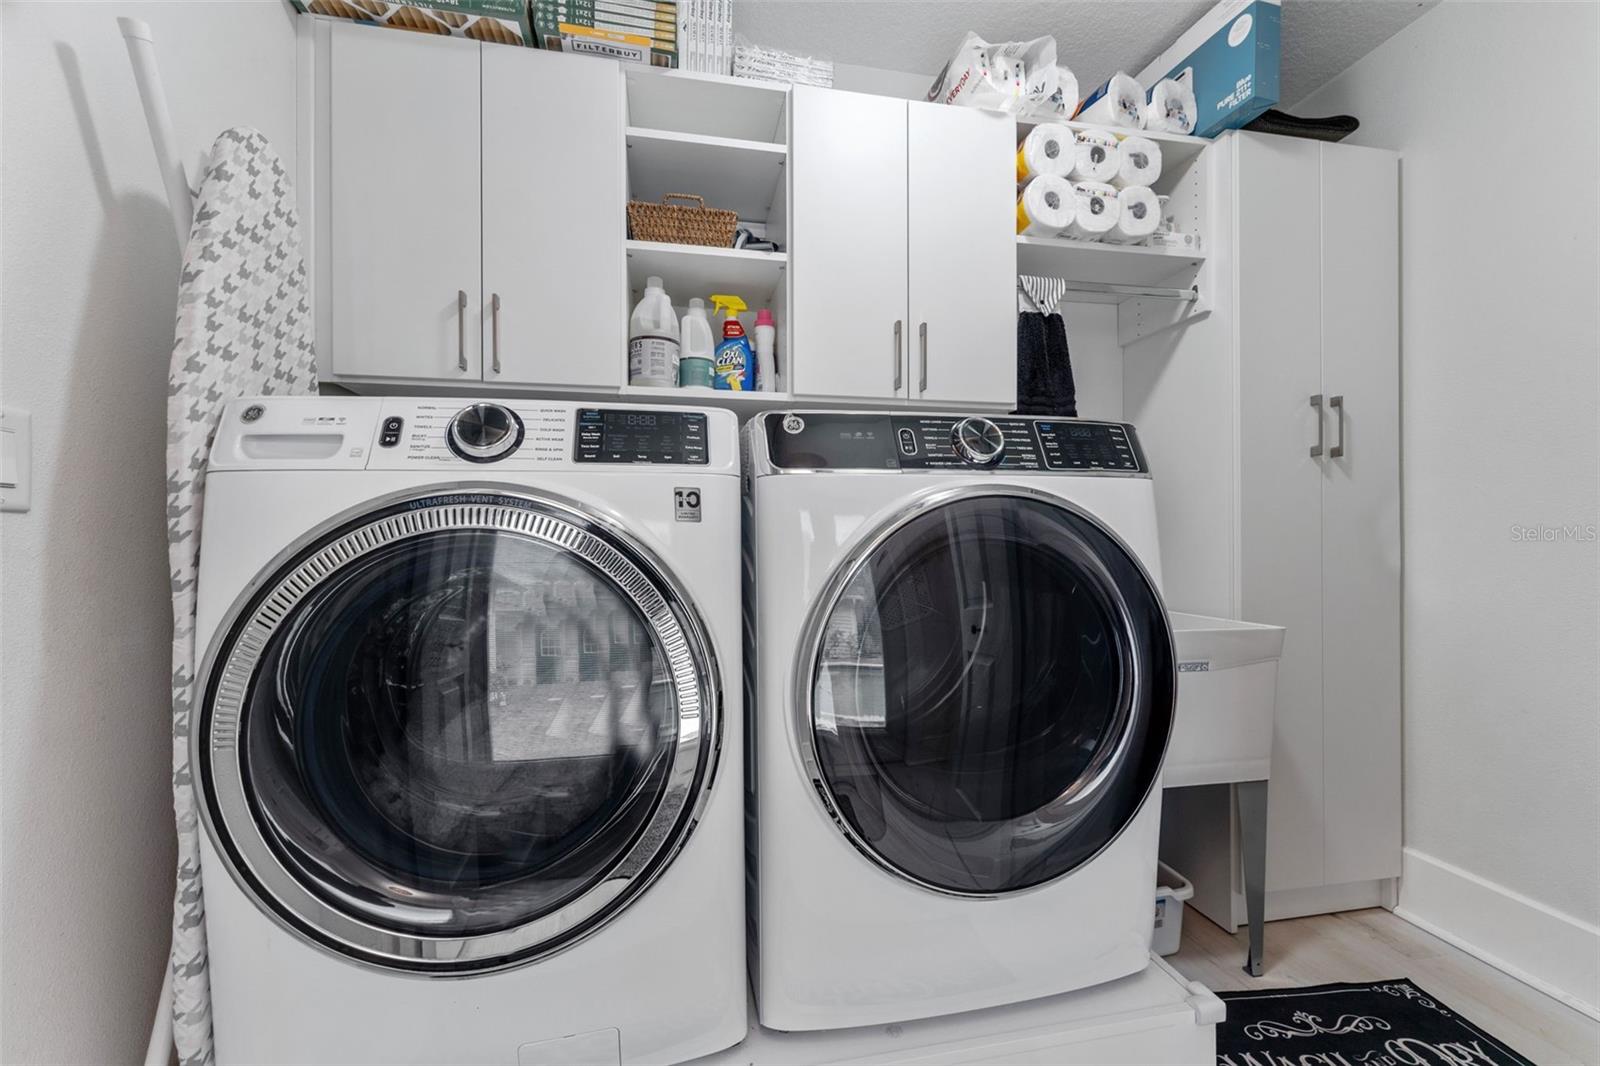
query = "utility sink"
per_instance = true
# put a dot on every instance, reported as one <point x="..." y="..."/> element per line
<point x="1227" y="689"/>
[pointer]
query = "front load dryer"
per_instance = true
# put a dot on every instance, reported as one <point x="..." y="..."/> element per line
<point x="962" y="684"/>
<point x="468" y="731"/>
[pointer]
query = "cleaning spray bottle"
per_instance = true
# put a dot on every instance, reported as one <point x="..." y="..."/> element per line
<point x="735" y="365"/>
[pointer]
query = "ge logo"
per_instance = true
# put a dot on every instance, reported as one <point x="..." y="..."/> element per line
<point x="253" y="412"/>
<point x="793" y="423"/>
<point x="686" y="504"/>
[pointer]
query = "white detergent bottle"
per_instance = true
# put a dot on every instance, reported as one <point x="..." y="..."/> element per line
<point x="653" y="339"/>
<point x="694" y="369"/>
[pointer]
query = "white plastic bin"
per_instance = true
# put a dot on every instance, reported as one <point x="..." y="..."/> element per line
<point x="1172" y="889"/>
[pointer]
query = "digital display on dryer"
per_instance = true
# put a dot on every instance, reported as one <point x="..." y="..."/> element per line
<point x="613" y="435"/>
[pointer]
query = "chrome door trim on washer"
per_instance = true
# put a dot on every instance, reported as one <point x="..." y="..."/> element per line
<point x="558" y="522"/>
<point x="810" y="646"/>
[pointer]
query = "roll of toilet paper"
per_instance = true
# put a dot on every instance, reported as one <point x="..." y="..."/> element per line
<point x="1170" y="107"/>
<point x="1097" y="211"/>
<point x="1049" y="148"/>
<point x="1138" y="162"/>
<point x="1138" y="215"/>
<point x="1096" y="157"/>
<point x="1046" y="206"/>
<point x="1119" y="102"/>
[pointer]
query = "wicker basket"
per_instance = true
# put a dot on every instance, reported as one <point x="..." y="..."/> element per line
<point x="677" y="224"/>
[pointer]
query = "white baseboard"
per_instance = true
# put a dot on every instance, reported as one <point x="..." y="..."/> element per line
<point x="1554" y="952"/>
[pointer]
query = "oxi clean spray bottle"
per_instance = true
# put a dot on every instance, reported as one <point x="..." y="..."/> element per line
<point x="735" y="365"/>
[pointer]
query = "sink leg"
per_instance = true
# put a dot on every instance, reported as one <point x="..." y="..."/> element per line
<point x="1252" y="797"/>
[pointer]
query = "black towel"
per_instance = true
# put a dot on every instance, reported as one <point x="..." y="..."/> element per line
<point x="1332" y="128"/>
<point x="1044" y="367"/>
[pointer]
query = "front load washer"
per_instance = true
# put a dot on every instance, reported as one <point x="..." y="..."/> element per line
<point x="962" y="683"/>
<point x="468" y="730"/>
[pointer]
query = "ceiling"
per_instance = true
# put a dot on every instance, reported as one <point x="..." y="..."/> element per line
<point x="1095" y="38"/>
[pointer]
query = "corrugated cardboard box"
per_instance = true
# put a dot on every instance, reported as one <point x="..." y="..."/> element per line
<point x="1231" y="60"/>
<point x="501" y="21"/>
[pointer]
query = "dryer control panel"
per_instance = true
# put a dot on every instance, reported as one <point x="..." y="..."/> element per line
<point x="841" y="440"/>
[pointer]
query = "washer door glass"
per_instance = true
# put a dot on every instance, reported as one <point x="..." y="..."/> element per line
<point x="990" y="695"/>
<point x="460" y="731"/>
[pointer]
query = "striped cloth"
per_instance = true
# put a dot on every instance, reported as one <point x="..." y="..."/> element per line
<point x="243" y="329"/>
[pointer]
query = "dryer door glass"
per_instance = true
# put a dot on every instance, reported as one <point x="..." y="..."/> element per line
<point x="990" y="693"/>
<point x="472" y="737"/>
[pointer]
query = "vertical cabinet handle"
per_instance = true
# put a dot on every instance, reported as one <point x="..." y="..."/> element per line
<point x="494" y="322"/>
<point x="1316" y="405"/>
<point x="461" y="329"/>
<point x="899" y="326"/>
<point x="1337" y="451"/>
<point x="922" y="374"/>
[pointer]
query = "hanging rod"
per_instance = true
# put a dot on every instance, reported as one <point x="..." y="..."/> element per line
<point x="1188" y="295"/>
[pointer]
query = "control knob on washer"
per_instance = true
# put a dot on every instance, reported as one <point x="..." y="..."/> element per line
<point x="484" y="432"/>
<point x="978" y="441"/>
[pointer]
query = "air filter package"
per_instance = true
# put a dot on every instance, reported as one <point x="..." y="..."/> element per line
<point x="1230" y="61"/>
<point x="1012" y="76"/>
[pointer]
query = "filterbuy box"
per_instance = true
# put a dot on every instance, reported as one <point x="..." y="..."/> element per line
<point x="1230" y="59"/>
<point x="498" y="21"/>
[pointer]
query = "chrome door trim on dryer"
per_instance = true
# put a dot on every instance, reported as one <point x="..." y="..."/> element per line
<point x="1106" y="763"/>
<point x="231" y="812"/>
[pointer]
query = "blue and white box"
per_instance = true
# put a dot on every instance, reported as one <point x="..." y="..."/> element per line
<point x="1230" y="58"/>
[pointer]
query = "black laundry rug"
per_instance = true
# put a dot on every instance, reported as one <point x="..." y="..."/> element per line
<point x="1381" y="1023"/>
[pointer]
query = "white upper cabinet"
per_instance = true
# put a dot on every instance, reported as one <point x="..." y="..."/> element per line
<point x="403" y="212"/>
<point x="554" y="277"/>
<point x="903" y="250"/>
<point x="962" y="255"/>
<point x="847" y="247"/>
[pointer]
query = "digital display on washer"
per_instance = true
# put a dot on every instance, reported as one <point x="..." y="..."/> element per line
<point x="640" y="435"/>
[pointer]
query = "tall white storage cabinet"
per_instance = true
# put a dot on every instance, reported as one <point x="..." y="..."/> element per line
<point x="903" y="250"/>
<point x="1291" y="442"/>
<point x="470" y="229"/>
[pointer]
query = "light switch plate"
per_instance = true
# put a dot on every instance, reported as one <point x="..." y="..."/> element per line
<point x="16" y="459"/>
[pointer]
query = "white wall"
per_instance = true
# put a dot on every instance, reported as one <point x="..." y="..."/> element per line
<point x="87" y="292"/>
<point x="1501" y="411"/>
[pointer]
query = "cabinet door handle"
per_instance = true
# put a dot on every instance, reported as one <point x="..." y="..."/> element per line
<point x="494" y="322"/>
<point x="1337" y="451"/>
<point x="922" y="374"/>
<point x="1316" y="405"/>
<point x="899" y="327"/>
<point x="461" y="329"/>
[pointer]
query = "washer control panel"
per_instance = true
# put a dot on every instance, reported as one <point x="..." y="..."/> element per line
<point x="640" y="435"/>
<point x="840" y="440"/>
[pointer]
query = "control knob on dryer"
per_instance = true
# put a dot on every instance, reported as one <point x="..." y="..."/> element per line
<point x="484" y="432"/>
<point x="978" y="441"/>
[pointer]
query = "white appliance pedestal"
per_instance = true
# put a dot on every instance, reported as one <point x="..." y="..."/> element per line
<point x="1152" y="1017"/>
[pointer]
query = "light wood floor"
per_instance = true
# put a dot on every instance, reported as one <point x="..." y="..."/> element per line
<point x="1374" y="944"/>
